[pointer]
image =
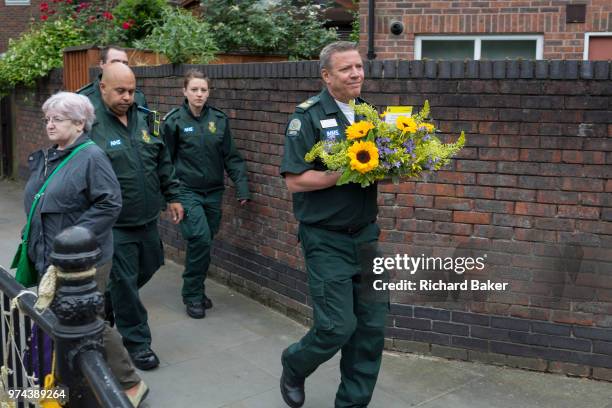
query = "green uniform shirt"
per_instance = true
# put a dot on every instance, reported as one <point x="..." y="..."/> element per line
<point x="92" y="91"/>
<point x="141" y="162"/>
<point x="349" y="205"/>
<point x="202" y="148"/>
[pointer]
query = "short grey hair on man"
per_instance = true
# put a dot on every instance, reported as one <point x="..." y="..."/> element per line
<point x="73" y="106"/>
<point x="331" y="49"/>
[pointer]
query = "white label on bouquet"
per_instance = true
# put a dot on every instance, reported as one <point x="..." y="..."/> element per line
<point x="393" y="112"/>
<point x="327" y="123"/>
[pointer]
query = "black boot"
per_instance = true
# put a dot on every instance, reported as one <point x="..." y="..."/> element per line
<point x="208" y="304"/>
<point x="292" y="390"/>
<point x="195" y="310"/>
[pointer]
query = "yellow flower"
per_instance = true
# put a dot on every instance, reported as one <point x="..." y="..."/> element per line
<point x="406" y="124"/>
<point x="364" y="156"/>
<point x="358" y="130"/>
<point x="428" y="127"/>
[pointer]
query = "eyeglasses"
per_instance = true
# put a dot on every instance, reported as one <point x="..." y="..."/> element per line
<point x="54" y="120"/>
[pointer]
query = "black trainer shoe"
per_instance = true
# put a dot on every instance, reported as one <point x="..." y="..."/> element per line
<point x="195" y="310"/>
<point x="292" y="390"/>
<point x="208" y="304"/>
<point x="145" y="359"/>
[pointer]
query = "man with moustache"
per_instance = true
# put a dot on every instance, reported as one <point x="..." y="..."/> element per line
<point x="339" y="238"/>
<point x="143" y="167"/>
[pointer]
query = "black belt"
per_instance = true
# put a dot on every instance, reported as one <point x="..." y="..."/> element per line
<point x="351" y="229"/>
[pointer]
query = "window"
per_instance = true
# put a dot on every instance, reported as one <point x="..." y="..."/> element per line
<point x="17" y="2"/>
<point x="597" y="46"/>
<point x="489" y="47"/>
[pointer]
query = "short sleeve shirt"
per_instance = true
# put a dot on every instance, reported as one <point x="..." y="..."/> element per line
<point x="349" y="205"/>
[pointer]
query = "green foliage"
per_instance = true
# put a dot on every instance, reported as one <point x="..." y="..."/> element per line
<point x="285" y="27"/>
<point x="95" y="17"/>
<point x="138" y="17"/>
<point x="37" y="52"/>
<point x="182" y="38"/>
<point x="356" y="26"/>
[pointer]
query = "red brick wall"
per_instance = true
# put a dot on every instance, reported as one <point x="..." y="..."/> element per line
<point x="28" y="130"/>
<point x="16" y="19"/>
<point x="561" y="40"/>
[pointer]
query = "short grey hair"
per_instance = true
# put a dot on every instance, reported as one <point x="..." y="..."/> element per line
<point x="331" y="49"/>
<point x="73" y="106"/>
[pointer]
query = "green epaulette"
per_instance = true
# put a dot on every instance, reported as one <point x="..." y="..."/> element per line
<point x="85" y="90"/>
<point x="172" y="112"/>
<point x="218" y="112"/>
<point x="307" y="104"/>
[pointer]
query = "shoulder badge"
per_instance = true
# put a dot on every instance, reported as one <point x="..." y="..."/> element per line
<point x="172" y="112"/>
<point x="212" y="127"/>
<point x="294" y="127"/>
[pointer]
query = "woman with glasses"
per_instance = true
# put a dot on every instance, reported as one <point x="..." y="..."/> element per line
<point x="83" y="192"/>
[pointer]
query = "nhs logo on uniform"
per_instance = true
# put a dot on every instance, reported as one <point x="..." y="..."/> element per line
<point x="188" y="129"/>
<point x="115" y="143"/>
<point x="332" y="134"/>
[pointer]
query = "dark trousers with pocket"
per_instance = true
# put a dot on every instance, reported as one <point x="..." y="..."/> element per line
<point x="116" y="355"/>
<point x="348" y="315"/>
<point x="138" y="255"/>
<point x="199" y="226"/>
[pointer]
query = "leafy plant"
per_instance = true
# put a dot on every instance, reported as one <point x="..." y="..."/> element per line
<point x="182" y="38"/>
<point x="37" y="52"/>
<point x="356" y="25"/>
<point x="138" y="17"/>
<point x="101" y="26"/>
<point x="287" y="27"/>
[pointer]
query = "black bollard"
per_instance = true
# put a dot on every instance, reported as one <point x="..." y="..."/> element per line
<point x="80" y="365"/>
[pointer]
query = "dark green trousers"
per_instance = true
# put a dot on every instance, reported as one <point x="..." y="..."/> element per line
<point x="138" y="255"/>
<point x="347" y="314"/>
<point x="199" y="226"/>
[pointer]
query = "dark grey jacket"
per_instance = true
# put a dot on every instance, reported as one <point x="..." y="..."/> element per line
<point x="84" y="192"/>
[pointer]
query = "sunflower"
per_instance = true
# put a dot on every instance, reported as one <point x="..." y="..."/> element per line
<point x="364" y="156"/>
<point x="358" y="130"/>
<point x="406" y="124"/>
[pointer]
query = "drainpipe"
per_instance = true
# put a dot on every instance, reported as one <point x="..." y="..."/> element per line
<point x="371" y="26"/>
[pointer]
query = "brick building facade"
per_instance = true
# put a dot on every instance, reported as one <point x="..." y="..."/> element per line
<point x="532" y="190"/>
<point x="15" y="19"/>
<point x="563" y="27"/>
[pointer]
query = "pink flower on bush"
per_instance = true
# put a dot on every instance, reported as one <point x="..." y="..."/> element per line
<point x="44" y="7"/>
<point x="108" y="15"/>
<point x="44" y="17"/>
<point x="126" y="25"/>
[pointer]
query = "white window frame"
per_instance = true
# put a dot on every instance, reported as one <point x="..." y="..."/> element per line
<point x="418" y="46"/>
<point x="587" y="37"/>
<point x="17" y="2"/>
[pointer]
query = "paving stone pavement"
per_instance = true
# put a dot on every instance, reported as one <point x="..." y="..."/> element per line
<point x="230" y="359"/>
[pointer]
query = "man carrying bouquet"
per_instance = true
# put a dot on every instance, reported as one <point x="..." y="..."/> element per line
<point x="339" y="238"/>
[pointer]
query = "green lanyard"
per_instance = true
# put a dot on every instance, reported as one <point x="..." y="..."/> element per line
<point x="40" y="193"/>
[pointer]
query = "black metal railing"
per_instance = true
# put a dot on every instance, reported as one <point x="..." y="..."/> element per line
<point x="72" y="323"/>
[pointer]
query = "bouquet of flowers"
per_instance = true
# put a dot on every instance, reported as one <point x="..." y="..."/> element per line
<point x="375" y="150"/>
